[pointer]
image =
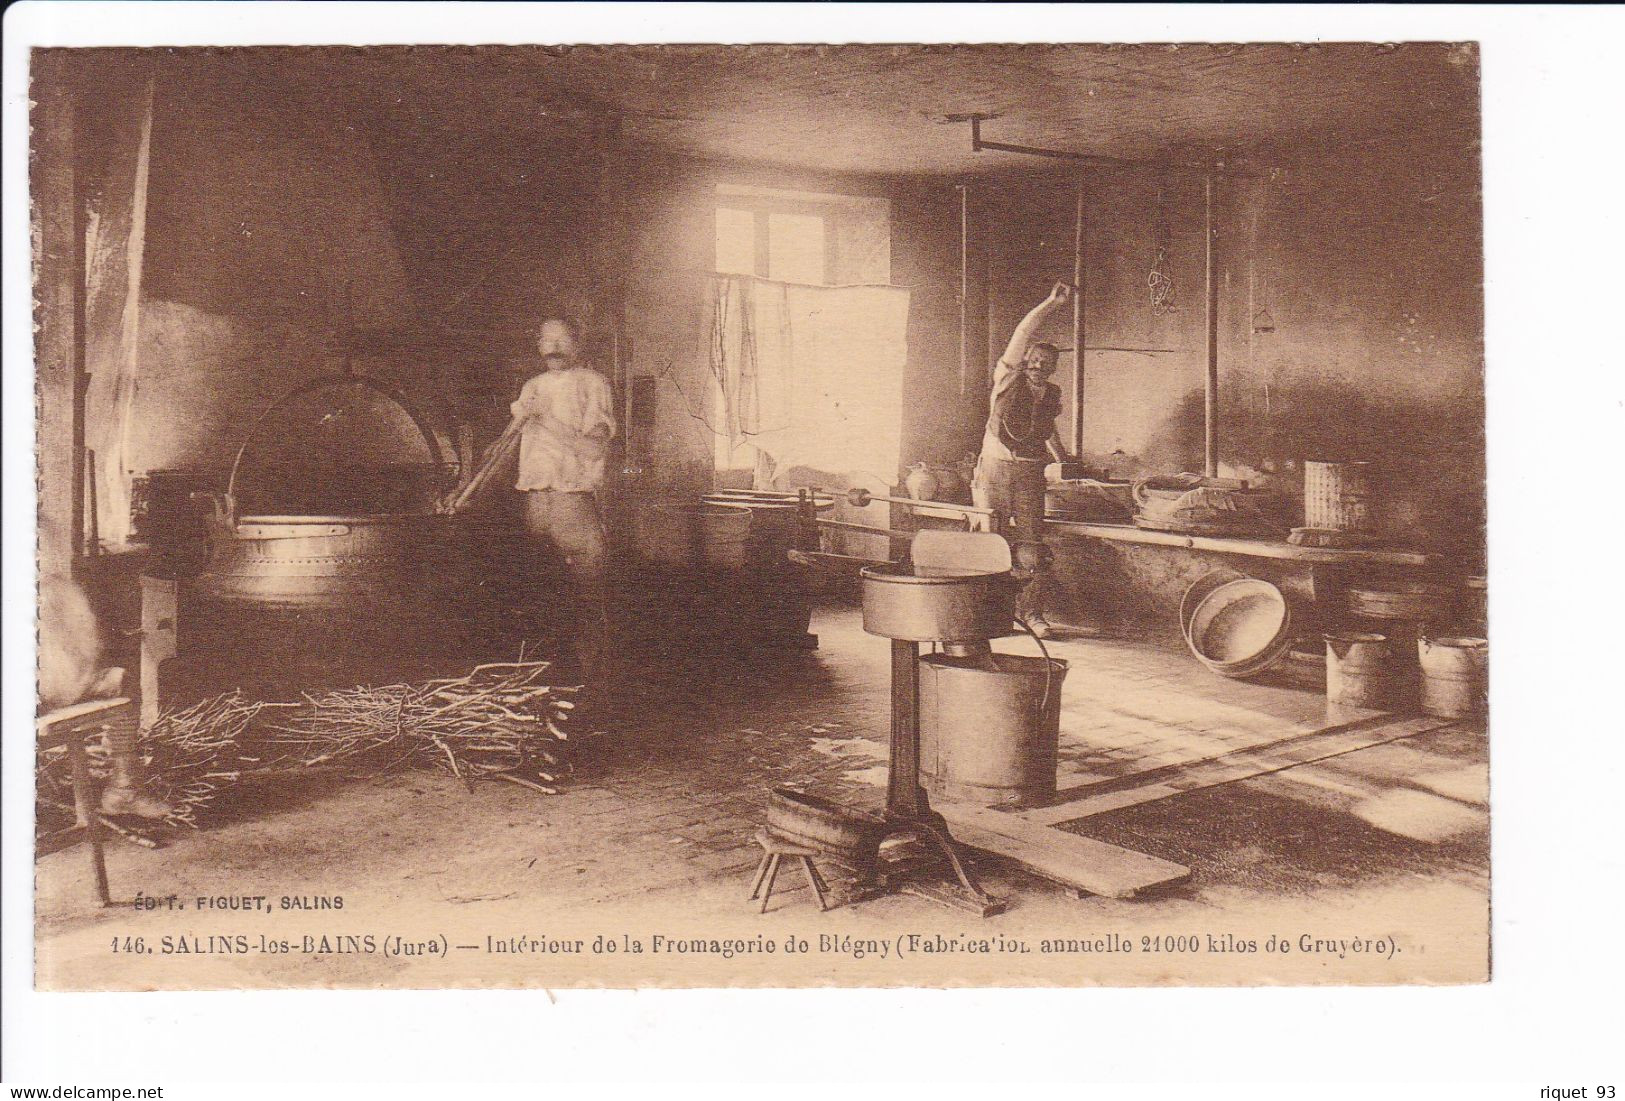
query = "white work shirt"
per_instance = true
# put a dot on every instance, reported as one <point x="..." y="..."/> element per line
<point x="1005" y="375"/>
<point x="554" y="451"/>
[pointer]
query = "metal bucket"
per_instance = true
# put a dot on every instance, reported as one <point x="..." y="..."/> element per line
<point x="776" y="525"/>
<point x="990" y="727"/>
<point x="1337" y="496"/>
<point x="941" y="607"/>
<point x="1455" y="676"/>
<point x="778" y="604"/>
<point x="1360" y="670"/>
<point x="683" y="536"/>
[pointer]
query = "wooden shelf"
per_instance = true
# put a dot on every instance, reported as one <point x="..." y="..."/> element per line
<point x="943" y="512"/>
<point x="1256" y="548"/>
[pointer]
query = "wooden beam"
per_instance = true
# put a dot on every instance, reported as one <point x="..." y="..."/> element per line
<point x="1081" y="863"/>
<point x="58" y="314"/>
<point x="995" y="337"/>
<point x="967" y="385"/>
<point x="1255" y="548"/>
<point x="1080" y="290"/>
<point x="905" y="800"/>
<point x="1211" y="390"/>
<point x="1246" y="764"/>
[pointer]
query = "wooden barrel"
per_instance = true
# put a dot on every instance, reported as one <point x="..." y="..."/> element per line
<point x="1415" y="601"/>
<point x="686" y="536"/>
<point x="776" y="599"/>
<point x="816" y="823"/>
<point x="1337" y="496"/>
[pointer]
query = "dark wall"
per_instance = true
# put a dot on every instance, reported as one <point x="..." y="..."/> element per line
<point x="266" y="239"/>
<point x="279" y="218"/>
<point x="1351" y="316"/>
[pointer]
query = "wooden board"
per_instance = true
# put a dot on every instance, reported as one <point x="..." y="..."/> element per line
<point x="1206" y="746"/>
<point x="1072" y="861"/>
<point x="1257" y="548"/>
<point x="1228" y="768"/>
<point x="1031" y="840"/>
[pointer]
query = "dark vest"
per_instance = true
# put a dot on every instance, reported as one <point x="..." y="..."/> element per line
<point x="1024" y="421"/>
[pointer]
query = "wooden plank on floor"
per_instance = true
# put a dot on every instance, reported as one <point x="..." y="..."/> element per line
<point x="1075" y="786"/>
<point x="1065" y="858"/>
<point x="1241" y="765"/>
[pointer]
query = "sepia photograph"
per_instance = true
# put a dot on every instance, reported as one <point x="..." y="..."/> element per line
<point x="770" y="544"/>
<point x="703" y="515"/>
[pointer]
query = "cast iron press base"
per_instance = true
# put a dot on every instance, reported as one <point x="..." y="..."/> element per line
<point x="908" y="810"/>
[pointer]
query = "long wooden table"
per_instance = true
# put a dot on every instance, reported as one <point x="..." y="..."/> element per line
<point x="1256" y="548"/>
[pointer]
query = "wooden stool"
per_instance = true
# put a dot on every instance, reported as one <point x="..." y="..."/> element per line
<point x="69" y="727"/>
<point x="774" y="850"/>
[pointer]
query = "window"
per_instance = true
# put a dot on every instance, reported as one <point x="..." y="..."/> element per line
<point x="783" y="246"/>
<point x="736" y="241"/>
<point x="802" y="237"/>
<point x="816" y="322"/>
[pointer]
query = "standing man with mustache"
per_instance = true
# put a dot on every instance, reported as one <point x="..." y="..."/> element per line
<point x="1020" y="439"/>
<point x="568" y="419"/>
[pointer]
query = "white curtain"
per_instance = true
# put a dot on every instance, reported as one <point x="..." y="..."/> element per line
<point x="809" y="376"/>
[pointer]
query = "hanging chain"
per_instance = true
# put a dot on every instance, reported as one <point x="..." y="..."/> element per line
<point x="1160" y="280"/>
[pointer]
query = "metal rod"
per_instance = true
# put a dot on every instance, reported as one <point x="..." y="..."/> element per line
<point x="743" y="495"/>
<point x="861" y="498"/>
<point x="978" y="145"/>
<point x="964" y="290"/>
<point x="1079" y="291"/>
<point x="866" y="529"/>
<point x="1211" y="392"/>
<point x="1055" y="154"/>
<point x="904" y="799"/>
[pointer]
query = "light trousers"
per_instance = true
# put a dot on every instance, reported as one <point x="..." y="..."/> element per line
<point x="1016" y="489"/>
<point x="568" y="522"/>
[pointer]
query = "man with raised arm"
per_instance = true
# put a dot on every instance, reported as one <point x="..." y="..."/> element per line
<point x="1020" y="440"/>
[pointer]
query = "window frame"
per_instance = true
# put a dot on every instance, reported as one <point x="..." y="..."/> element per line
<point x="762" y="207"/>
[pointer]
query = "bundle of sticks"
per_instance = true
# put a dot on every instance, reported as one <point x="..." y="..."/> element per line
<point x="501" y="721"/>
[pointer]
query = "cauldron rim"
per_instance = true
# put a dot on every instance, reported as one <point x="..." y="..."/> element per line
<point x="344" y="518"/>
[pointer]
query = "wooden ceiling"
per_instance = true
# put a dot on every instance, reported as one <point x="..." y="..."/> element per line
<point x="885" y="109"/>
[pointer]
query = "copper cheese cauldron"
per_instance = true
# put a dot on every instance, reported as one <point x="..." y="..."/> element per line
<point x="363" y="565"/>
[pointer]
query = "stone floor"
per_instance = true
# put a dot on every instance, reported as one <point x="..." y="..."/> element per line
<point x="656" y="831"/>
